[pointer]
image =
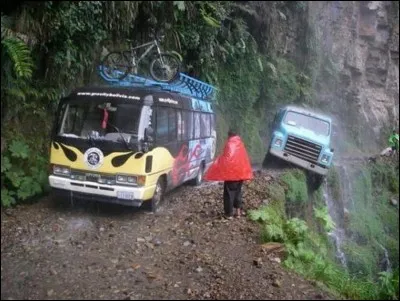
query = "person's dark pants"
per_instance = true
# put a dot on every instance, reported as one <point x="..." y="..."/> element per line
<point x="232" y="196"/>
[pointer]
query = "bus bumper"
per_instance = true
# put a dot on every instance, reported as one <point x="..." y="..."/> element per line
<point x="299" y="162"/>
<point x="117" y="194"/>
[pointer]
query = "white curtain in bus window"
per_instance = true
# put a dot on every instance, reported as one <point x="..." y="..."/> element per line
<point x="205" y="125"/>
<point x="212" y="119"/>
<point x="181" y="126"/>
<point x="189" y="124"/>
<point x="197" y="129"/>
<point x="172" y="129"/>
<point x="162" y="123"/>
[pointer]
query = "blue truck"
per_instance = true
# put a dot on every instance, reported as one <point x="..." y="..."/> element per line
<point x="303" y="137"/>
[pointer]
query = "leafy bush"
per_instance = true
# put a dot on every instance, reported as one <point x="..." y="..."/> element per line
<point x="296" y="186"/>
<point x="276" y="192"/>
<point x="23" y="174"/>
<point x="389" y="285"/>
<point x="295" y="230"/>
<point x="275" y="228"/>
<point x="386" y="175"/>
<point x="308" y="252"/>
<point x="323" y="217"/>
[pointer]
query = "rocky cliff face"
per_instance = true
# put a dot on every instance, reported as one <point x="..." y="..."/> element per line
<point x="353" y="49"/>
<point x="362" y="40"/>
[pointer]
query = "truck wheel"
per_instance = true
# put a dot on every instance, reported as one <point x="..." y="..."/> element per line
<point x="316" y="180"/>
<point x="267" y="160"/>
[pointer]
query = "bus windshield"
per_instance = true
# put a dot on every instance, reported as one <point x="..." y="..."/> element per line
<point x="318" y="126"/>
<point x="101" y="120"/>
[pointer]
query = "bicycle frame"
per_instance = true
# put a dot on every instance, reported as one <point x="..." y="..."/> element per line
<point x="150" y="46"/>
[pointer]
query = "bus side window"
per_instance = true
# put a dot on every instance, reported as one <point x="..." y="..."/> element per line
<point x="181" y="126"/>
<point x="197" y="125"/>
<point x="189" y="124"/>
<point x="205" y="125"/>
<point x="212" y="117"/>
<point x="172" y="128"/>
<point x="162" y="124"/>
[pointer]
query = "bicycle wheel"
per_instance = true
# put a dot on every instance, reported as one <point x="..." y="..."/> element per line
<point x="116" y="65"/>
<point x="165" y="68"/>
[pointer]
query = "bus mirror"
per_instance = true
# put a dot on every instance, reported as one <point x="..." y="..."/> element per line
<point x="332" y="150"/>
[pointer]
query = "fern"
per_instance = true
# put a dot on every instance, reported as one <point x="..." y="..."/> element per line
<point x="296" y="230"/>
<point x="273" y="232"/>
<point x="260" y="215"/>
<point x="389" y="285"/>
<point x="322" y="215"/>
<point x="20" y="56"/>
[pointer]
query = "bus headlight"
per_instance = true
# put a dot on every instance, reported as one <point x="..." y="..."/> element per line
<point x="61" y="170"/>
<point x="131" y="180"/>
<point x="126" y="179"/>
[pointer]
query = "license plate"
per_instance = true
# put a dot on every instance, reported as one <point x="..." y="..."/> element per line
<point x="126" y="195"/>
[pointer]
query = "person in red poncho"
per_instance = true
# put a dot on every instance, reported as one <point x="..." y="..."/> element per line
<point x="233" y="167"/>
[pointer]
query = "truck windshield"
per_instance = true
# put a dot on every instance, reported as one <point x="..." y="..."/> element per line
<point x="100" y="120"/>
<point x="318" y="126"/>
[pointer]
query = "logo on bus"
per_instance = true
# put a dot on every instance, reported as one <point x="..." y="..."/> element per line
<point x="93" y="158"/>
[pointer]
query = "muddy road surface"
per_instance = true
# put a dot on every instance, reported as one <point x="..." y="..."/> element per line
<point x="52" y="250"/>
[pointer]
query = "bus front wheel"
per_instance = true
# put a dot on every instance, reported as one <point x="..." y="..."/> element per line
<point x="158" y="196"/>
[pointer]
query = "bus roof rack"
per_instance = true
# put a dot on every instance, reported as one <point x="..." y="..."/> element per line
<point x="184" y="84"/>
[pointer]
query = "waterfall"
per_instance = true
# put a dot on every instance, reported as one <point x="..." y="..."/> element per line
<point x="337" y="234"/>
<point x="388" y="264"/>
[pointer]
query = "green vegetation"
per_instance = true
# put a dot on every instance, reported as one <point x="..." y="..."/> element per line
<point x="21" y="179"/>
<point x="334" y="183"/>
<point x="374" y="222"/>
<point x="323" y="217"/>
<point x="296" y="183"/>
<point x="309" y="251"/>
<point x="49" y="48"/>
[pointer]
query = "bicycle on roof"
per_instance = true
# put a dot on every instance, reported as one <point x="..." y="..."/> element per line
<point x="164" y="67"/>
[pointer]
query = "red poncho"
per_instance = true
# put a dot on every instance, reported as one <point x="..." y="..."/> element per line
<point x="232" y="165"/>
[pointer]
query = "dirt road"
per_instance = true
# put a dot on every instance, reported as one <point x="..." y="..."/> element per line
<point x="52" y="250"/>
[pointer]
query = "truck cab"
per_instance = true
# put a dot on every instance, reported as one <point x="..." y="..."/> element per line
<point x="302" y="137"/>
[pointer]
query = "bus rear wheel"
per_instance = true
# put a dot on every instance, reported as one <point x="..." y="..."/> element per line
<point x="199" y="178"/>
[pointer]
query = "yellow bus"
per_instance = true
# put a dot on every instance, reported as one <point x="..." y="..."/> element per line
<point x="129" y="145"/>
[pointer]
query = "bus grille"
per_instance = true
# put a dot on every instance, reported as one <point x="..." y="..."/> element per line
<point x="303" y="149"/>
<point x="92" y="177"/>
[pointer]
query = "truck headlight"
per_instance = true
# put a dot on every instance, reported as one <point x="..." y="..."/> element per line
<point x="325" y="158"/>
<point x="278" y="142"/>
<point x="61" y="170"/>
